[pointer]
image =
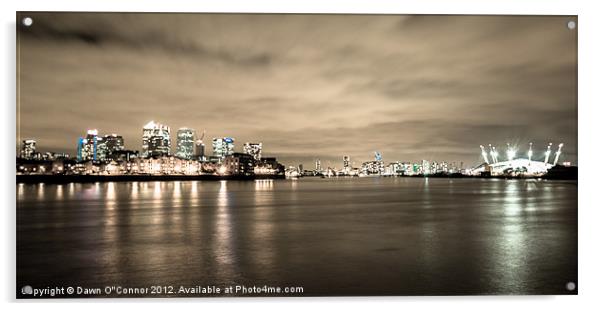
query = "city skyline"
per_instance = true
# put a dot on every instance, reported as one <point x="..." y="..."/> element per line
<point x="509" y="152"/>
<point x="346" y="90"/>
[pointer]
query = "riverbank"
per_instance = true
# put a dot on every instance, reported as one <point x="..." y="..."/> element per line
<point x="63" y="179"/>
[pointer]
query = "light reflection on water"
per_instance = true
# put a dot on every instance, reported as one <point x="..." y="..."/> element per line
<point x="224" y="252"/>
<point x="511" y="236"/>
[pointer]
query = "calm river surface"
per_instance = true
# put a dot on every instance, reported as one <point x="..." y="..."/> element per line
<point x="362" y="236"/>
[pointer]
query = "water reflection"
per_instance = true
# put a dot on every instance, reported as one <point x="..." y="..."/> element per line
<point x="330" y="235"/>
<point x="512" y="199"/>
<point x="135" y="190"/>
<point x="223" y="241"/>
<point x="20" y="190"/>
<point x="177" y="193"/>
<point x="264" y="185"/>
<point x="41" y="193"/>
<point x="263" y="222"/>
<point x="157" y="192"/>
<point x="59" y="192"/>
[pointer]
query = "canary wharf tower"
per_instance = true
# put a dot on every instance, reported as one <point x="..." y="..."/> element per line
<point x="155" y="140"/>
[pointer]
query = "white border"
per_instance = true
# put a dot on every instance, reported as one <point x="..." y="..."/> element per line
<point x="590" y="51"/>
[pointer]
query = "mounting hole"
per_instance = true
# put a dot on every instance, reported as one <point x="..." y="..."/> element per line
<point x="570" y="286"/>
<point x="571" y="24"/>
<point x="27" y="21"/>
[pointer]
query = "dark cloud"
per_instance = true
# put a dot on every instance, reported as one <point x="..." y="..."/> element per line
<point x="307" y="86"/>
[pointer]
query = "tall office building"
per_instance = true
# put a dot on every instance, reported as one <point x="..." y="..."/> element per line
<point x="87" y="148"/>
<point x="346" y="160"/>
<point x="253" y="149"/>
<point x="199" y="150"/>
<point x="28" y="149"/>
<point x="318" y="165"/>
<point x="101" y="149"/>
<point x="185" y="143"/>
<point x="223" y="147"/>
<point x="155" y="140"/>
<point x="113" y="143"/>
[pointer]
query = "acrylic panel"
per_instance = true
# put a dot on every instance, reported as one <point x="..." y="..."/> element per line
<point x="295" y="155"/>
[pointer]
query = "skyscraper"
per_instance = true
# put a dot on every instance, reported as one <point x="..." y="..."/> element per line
<point x="113" y="143"/>
<point x="318" y="165"/>
<point x="346" y="162"/>
<point x="253" y="149"/>
<point x="87" y="147"/>
<point x="185" y="143"/>
<point x="223" y="147"/>
<point x="101" y="149"/>
<point x="199" y="151"/>
<point x="155" y="140"/>
<point x="28" y="149"/>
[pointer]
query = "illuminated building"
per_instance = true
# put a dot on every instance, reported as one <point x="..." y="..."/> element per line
<point x="125" y="155"/>
<point x="185" y="143"/>
<point x="373" y="168"/>
<point x="223" y="147"/>
<point x="269" y="166"/>
<point x="394" y="168"/>
<point x="527" y="166"/>
<point x="425" y="167"/>
<point x="318" y="165"/>
<point x="28" y="149"/>
<point x="113" y="144"/>
<point x="87" y="147"/>
<point x="101" y="149"/>
<point x="253" y="149"/>
<point x="155" y="140"/>
<point x="199" y="150"/>
<point x="346" y="160"/>
<point x="240" y="164"/>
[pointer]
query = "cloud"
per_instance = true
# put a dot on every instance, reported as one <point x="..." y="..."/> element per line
<point x="307" y="86"/>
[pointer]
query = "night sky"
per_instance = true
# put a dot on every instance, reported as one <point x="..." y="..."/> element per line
<point x="307" y="86"/>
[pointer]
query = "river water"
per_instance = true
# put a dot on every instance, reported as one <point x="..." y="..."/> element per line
<point x="340" y="237"/>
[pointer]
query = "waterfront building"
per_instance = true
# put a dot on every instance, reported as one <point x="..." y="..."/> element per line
<point x="346" y="165"/>
<point x="113" y="144"/>
<point x="239" y="164"/>
<point x="199" y="150"/>
<point x="125" y="155"/>
<point x="394" y="168"/>
<point x="185" y="143"/>
<point x="253" y="149"/>
<point x="101" y="150"/>
<point x="373" y="168"/>
<point x="426" y="167"/>
<point x="156" y="140"/>
<point x="87" y="147"/>
<point x="223" y="147"/>
<point x="28" y="149"/>
<point x="269" y="166"/>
